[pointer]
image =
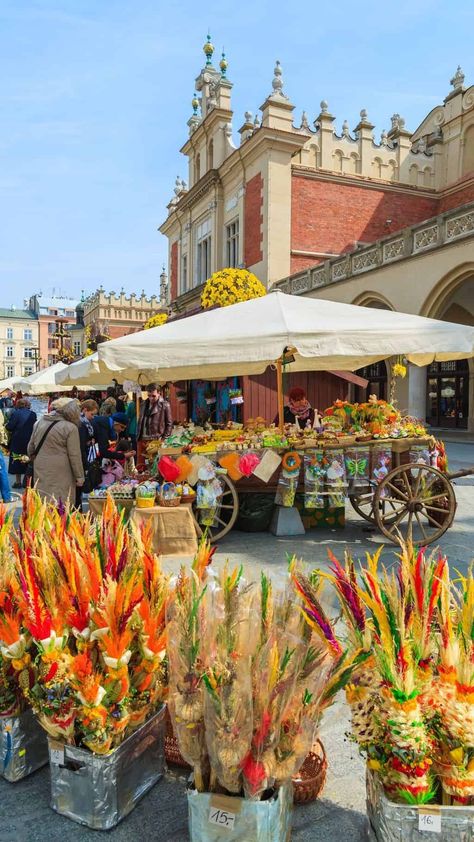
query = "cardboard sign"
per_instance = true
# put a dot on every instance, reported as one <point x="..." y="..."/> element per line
<point x="223" y="811"/>
<point x="429" y="820"/>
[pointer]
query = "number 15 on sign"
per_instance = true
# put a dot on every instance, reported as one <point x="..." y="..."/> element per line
<point x="222" y="818"/>
<point x="429" y="822"/>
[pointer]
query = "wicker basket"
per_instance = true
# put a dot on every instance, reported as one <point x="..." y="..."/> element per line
<point x="173" y="755"/>
<point x="170" y="504"/>
<point x="188" y="498"/>
<point x="310" y="780"/>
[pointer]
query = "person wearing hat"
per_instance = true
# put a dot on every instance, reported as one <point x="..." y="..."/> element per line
<point x="122" y="449"/>
<point x="56" y="452"/>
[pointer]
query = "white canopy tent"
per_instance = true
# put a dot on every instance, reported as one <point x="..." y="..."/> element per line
<point x="245" y="338"/>
<point x="45" y="380"/>
<point x="83" y="371"/>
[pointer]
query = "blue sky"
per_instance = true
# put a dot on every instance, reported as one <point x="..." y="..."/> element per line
<point x="95" y="95"/>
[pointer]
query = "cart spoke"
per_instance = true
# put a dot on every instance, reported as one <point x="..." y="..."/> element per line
<point x="401" y="495"/>
<point x="441" y="496"/>
<point x="392" y="525"/>
<point x="407" y="486"/>
<point x="410" y="526"/>
<point x="435" y="509"/>
<point x="433" y="522"/>
<point x="420" y="524"/>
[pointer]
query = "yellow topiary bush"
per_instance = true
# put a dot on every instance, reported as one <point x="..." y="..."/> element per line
<point x="156" y="321"/>
<point x="229" y="286"/>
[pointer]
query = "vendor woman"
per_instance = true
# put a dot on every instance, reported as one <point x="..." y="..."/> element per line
<point x="298" y="410"/>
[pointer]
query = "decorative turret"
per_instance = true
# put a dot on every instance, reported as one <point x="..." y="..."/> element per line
<point x="208" y="50"/>
<point x="458" y="79"/>
<point x="277" y="108"/>
<point x="223" y="65"/>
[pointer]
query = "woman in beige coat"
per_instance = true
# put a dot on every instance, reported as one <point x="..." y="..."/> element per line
<point x="58" y="468"/>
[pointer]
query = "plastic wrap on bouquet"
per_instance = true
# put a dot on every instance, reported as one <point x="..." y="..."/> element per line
<point x="100" y="790"/>
<point x="421" y="454"/>
<point x="314" y="477"/>
<point x="390" y="822"/>
<point x="357" y="461"/>
<point x="288" y="480"/>
<point x="335" y="478"/>
<point x="24" y="746"/>
<point x="381" y="464"/>
<point x="212" y="816"/>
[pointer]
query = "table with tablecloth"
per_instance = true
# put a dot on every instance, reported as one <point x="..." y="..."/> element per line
<point x="174" y="530"/>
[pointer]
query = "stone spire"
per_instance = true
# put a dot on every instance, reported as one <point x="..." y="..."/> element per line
<point x="277" y="83"/>
<point x="163" y="286"/>
<point x="457" y="81"/>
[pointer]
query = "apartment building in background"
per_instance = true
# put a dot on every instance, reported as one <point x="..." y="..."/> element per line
<point x="51" y="312"/>
<point x="18" y="342"/>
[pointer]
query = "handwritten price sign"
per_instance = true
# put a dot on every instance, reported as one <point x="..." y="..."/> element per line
<point x="222" y="818"/>
<point x="429" y="822"/>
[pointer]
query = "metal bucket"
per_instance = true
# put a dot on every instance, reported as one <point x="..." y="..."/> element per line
<point x="212" y="816"/>
<point x="100" y="790"/>
<point x="23" y="746"/>
<point x="390" y="822"/>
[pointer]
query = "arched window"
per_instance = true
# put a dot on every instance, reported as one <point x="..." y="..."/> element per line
<point x="392" y="168"/>
<point x="338" y="156"/>
<point x="354" y="163"/>
<point x="377" y="167"/>
<point x="413" y="174"/>
<point x="210" y="155"/>
<point x="427" y="176"/>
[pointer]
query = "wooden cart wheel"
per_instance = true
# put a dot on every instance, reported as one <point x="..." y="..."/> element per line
<point x="422" y="504"/>
<point x="226" y="514"/>
<point x="363" y="504"/>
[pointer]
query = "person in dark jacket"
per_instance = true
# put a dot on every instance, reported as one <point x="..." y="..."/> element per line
<point x="104" y="432"/>
<point x="155" y="421"/>
<point x="20" y="426"/>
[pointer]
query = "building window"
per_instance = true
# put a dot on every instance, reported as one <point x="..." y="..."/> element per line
<point x="10" y="370"/>
<point x="210" y="155"/>
<point x="197" y="168"/>
<point x="51" y="359"/>
<point x="184" y="273"/>
<point x="52" y="344"/>
<point x="51" y="327"/>
<point x="27" y="334"/>
<point x="70" y="314"/>
<point x="232" y="244"/>
<point x="203" y="254"/>
<point x="52" y="312"/>
<point x="9" y="333"/>
<point x="10" y="352"/>
<point x="28" y="370"/>
<point x="77" y="349"/>
<point x="28" y="353"/>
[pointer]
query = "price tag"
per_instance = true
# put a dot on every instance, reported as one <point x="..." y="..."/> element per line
<point x="222" y="818"/>
<point x="224" y="811"/>
<point x="56" y="753"/>
<point x="429" y="821"/>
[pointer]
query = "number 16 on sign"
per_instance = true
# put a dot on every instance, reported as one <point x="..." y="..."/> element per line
<point x="222" y="818"/>
<point x="429" y="822"/>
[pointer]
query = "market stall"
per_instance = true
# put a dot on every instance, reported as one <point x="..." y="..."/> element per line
<point x="46" y="380"/>
<point x="290" y="334"/>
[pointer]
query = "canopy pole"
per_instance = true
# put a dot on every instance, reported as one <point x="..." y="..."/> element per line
<point x="281" y="410"/>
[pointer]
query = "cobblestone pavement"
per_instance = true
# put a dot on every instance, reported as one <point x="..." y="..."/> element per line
<point x="339" y="816"/>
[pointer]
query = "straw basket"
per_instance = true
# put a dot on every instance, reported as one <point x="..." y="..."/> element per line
<point x="170" y="504"/>
<point x="310" y="780"/>
<point x="172" y="752"/>
<point x="188" y="498"/>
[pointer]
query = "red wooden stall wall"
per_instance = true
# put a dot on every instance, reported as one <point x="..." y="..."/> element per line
<point x="260" y="396"/>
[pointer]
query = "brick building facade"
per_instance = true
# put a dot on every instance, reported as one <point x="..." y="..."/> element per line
<point x="290" y="197"/>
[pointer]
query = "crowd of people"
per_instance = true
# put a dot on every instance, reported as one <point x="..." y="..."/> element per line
<point x="69" y="450"/>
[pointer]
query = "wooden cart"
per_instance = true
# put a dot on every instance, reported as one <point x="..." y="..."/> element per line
<point x="414" y="501"/>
